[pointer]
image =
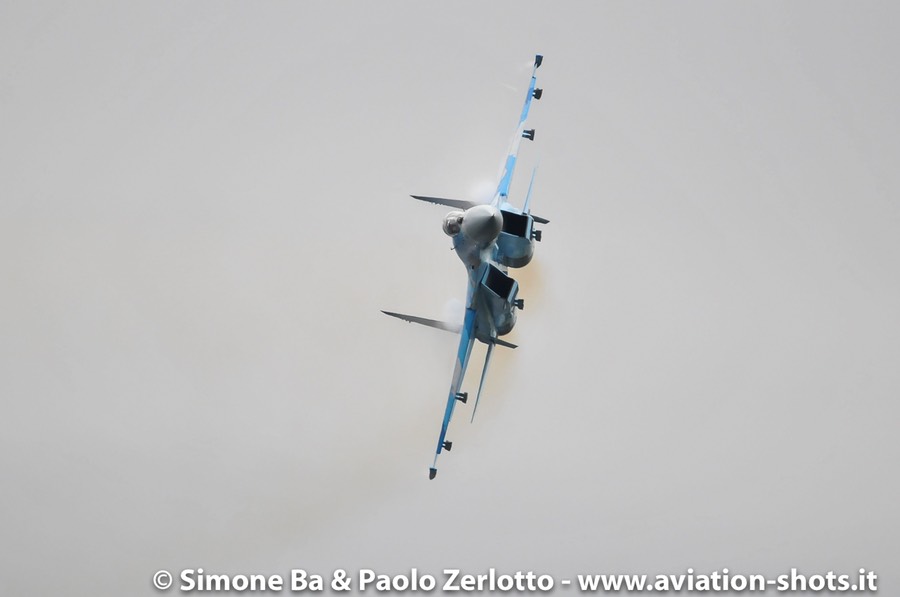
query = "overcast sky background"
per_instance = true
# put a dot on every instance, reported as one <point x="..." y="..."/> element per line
<point x="204" y="206"/>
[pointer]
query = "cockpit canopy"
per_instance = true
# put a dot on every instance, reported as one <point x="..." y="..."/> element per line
<point x="453" y="222"/>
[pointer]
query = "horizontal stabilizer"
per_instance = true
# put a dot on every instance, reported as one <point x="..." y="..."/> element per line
<point x="540" y="220"/>
<point x="441" y="325"/>
<point x="457" y="203"/>
<point x="500" y="342"/>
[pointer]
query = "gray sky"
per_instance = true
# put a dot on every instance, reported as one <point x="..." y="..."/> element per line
<point x="204" y="206"/>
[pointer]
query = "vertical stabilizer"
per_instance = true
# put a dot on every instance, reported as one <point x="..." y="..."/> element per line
<point x="527" y="208"/>
<point x="487" y="361"/>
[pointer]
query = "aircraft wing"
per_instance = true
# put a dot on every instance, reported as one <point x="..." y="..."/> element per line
<point x="466" y="340"/>
<point x="500" y="198"/>
<point x="441" y="325"/>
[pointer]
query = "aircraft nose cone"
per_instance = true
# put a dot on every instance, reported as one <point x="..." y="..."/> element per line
<point x="482" y="224"/>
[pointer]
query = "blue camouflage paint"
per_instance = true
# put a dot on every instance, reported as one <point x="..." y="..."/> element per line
<point x="509" y="168"/>
<point x="466" y="340"/>
<point x="485" y="319"/>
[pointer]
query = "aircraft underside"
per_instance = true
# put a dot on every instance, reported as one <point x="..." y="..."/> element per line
<point x="488" y="239"/>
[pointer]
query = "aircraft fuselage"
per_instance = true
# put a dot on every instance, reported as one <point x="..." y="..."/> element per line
<point x="475" y="232"/>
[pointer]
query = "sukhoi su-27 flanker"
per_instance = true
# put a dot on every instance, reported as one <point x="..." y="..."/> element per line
<point x="489" y="239"/>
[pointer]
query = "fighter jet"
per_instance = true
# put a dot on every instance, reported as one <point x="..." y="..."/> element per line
<point x="489" y="239"/>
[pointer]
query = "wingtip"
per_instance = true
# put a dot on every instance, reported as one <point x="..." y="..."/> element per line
<point x="432" y="473"/>
<point x="538" y="59"/>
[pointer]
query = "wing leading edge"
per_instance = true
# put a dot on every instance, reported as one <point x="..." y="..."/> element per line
<point x="432" y="323"/>
<point x="466" y="341"/>
<point x="500" y="199"/>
